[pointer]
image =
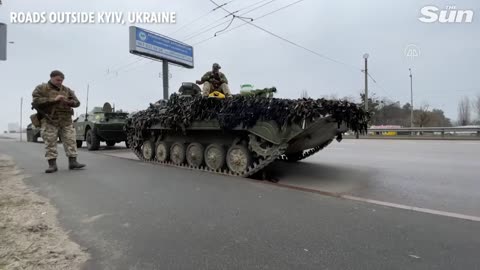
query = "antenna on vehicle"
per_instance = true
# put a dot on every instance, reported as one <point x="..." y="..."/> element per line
<point x="86" y="105"/>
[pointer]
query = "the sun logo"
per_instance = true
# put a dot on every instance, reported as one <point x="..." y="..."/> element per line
<point x="433" y="14"/>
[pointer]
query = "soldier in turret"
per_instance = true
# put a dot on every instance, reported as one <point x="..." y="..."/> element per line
<point x="54" y="102"/>
<point x="214" y="81"/>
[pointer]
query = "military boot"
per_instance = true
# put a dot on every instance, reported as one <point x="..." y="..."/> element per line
<point x="73" y="164"/>
<point x="52" y="166"/>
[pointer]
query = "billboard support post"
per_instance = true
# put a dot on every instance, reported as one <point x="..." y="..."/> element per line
<point x="158" y="47"/>
<point x="165" y="79"/>
<point x="3" y="42"/>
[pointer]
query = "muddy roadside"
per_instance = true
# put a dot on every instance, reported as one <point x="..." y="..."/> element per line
<point x="31" y="237"/>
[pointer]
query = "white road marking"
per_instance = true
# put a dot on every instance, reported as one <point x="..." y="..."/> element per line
<point x="393" y="205"/>
<point x="94" y="218"/>
<point x="413" y="208"/>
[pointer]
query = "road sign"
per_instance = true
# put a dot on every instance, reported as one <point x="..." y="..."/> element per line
<point x="153" y="45"/>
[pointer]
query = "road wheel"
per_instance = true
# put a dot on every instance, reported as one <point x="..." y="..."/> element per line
<point x="93" y="142"/>
<point x="148" y="150"/>
<point x="214" y="156"/>
<point x="127" y="144"/>
<point x="162" y="151"/>
<point x="110" y="143"/>
<point x="195" y="154"/>
<point x="79" y="144"/>
<point x="238" y="159"/>
<point x="177" y="153"/>
<point x="35" y="138"/>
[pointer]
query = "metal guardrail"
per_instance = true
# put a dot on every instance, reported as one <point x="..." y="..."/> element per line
<point x="427" y="129"/>
<point x="435" y="131"/>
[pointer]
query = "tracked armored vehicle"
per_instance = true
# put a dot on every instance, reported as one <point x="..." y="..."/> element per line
<point x="240" y="135"/>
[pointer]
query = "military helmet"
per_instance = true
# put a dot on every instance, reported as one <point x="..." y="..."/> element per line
<point x="216" y="65"/>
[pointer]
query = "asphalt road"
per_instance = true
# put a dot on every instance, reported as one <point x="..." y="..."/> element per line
<point x="133" y="215"/>
<point x="438" y="175"/>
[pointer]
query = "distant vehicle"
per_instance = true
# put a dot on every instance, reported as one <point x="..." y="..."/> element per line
<point x="102" y="124"/>
<point x="387" y="132"/>
<point x="33" y="133"/>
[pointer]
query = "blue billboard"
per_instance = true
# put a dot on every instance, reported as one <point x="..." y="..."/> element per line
<point x="153" y="45"/>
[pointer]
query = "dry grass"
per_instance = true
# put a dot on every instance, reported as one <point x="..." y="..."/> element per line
<point x="31" y="237"/>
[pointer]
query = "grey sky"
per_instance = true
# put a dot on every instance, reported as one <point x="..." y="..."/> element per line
<point x="446" y="70"/>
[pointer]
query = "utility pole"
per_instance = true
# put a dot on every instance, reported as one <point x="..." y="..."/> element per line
<point x="86" y="104"/>
<point x="411" y="98"/>
<point x="365" y="56"/>
<point x="21" y="113"/>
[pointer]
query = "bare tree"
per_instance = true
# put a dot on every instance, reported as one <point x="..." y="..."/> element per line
<point x="422" y="116"/>
<point x="304" y="94"/>
<point x="464" y="112"/>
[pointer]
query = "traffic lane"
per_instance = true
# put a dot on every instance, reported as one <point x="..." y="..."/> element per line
<point x="17" y="136"/>
<point x="427" y="174"/>
<point x="134" y="215"/>
<point x="440" y="175"/>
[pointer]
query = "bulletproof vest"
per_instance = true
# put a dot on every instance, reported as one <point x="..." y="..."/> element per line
<point x="57" y="110"/>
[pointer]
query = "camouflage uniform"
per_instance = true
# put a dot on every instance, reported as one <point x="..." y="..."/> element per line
<point x="57" y="120"/>
<point x="212" y="81"/>
<point x="50" y="134"/>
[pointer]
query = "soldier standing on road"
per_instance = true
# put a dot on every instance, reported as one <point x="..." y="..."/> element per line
<point x="55" y="103"/>
<point x="214" y="80"/>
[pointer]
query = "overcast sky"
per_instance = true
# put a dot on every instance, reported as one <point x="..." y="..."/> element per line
<point x="446" y="69"/>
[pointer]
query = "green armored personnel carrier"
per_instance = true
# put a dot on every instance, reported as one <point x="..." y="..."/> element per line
<point x="102" y="124"/>
<point x="240" y="135"/>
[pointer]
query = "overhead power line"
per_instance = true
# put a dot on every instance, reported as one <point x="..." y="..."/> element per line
<point x="289" y="41"/>
<point x="114" y="72"/>
<point x="265" y="2"/>
<point x="215" y="24"/>
<point x="114" y="69"/>
<point x="269" y="32"/>
<point x="255" y="19"/>
<point x="379" y="86"/>
<point x="260" y="17"/>
<point x="303" y="47"/>
<point x="198" y="18"/>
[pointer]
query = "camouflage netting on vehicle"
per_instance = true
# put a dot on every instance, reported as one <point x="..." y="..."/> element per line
<point x="179" y="112"/>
